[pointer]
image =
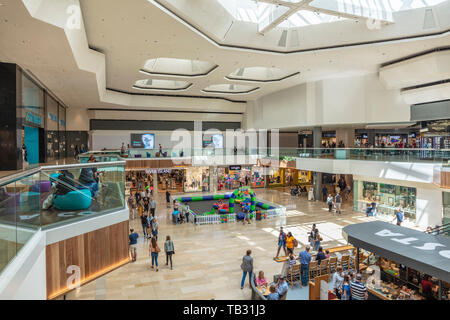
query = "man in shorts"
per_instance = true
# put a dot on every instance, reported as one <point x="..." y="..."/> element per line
<point x="337" y="203"/>
<point x="281" y="242"/>
<point x="133" y="244"/>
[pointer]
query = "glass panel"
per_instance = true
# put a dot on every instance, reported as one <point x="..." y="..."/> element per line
<point x="9" y="201"/>
<point x="80" y="193"/>
<point x="62" y="131"/>
<point x="19" y="216"/>
<point x="446" y="201"/>
<point x="33" y="103"/>
<point x="52" y="128"/>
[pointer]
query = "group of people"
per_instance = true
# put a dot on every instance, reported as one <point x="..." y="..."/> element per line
<point x="299" y="190"/>
<point x="153" y="249"/>
<point x="180" y="216"/>
<point x="345" y="285"/>
<point x="150" y="229"/>
<point x="277" y="290"/>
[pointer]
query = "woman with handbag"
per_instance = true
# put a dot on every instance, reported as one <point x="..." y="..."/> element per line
<point x="154" y="251"/>
<point x="317" y="239"/>
<point x="170" y="250"/>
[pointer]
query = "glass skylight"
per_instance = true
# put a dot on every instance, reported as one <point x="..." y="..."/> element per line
<point x="229" y="89"/>
<point x="178" y="67"/>
<point x="260" y="74"/>
<point x="162" y="85"/>
<point x="297" y="13"/>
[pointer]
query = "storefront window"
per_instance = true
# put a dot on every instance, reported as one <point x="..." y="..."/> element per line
<point x="33" y="120"/>
<point x="52" y="128"/>
<point x="257" y="177"/>
<point x="276" y="176"/>
<point x="62" y="131"/>
<point x="170" y="179"/>
<point x="387" y="197"/>
<point x="197" y="179"/>
<point x="304" y="177"/>
<point x="33" y="103"/>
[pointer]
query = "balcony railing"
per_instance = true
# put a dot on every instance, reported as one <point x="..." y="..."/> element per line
<point x="372" y="154"/>
<point x="50" y="196"/>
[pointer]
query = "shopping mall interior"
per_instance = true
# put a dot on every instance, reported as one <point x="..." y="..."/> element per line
<point x="225" y="150"/>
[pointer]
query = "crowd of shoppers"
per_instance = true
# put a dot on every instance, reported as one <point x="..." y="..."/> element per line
<point x="150" y="230"/>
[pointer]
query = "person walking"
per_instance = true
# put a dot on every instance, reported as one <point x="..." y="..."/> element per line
<point x="154" y="251"/>
<point x="312" y="235"/>
<point x="168" y="198"/>
<point x="155" y="228"/>
<point x="336" y="282"/>
<point x="345" y="288"/>
<point x="399" y="216"/>
<point x="330" y="202"/>
<point x="337" y="202"/>
<point x="170" y="250"/>
<point x="131" y="206"/>
<point x="152" y="206"/>
<point x="317" y="240"/>
<point x="247" y="267"/>
<point x="290" y="243"/>
<point x="324" y="193"/>
<point x="304" y="258"/>
<point x="133" y="244"/>
<point x="281" y="242"/>
<point x="358" y="289"/>
<point x="144" y="222"/>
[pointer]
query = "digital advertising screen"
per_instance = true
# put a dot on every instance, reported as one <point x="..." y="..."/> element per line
<point x="143" y="140"/>
<point x="214" y="140"/>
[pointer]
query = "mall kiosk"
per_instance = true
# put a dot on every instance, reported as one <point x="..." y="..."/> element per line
<point x="403" y="257"/>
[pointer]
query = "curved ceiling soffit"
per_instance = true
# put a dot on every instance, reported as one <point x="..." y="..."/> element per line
<point x="86" y="58"/>
<point x="197" y="30"/>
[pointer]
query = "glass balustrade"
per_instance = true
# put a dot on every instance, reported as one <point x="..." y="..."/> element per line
<point x="372" y="154"/>
<point x="51" y="196"/>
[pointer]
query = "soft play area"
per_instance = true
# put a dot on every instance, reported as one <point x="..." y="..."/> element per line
<point x="229" y="206"/>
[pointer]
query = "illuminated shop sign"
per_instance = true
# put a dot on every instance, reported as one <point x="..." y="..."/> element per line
<point x="33" y="118"/>
<point x="236" y="168"/>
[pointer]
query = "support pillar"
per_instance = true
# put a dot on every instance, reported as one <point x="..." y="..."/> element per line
<point x="317" y="176"/>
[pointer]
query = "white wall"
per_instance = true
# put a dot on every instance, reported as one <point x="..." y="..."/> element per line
<point x="343" y="100"/>
<point x="172" y="116"/>
<point x="77" y="119"/>
<point x="404" y="171"/>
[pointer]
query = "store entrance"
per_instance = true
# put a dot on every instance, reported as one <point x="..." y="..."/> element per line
<point x="171" y="180"/>
<point x="31" y="142"/>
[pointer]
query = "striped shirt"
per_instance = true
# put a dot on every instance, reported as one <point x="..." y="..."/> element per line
<point x="358" y="290"/>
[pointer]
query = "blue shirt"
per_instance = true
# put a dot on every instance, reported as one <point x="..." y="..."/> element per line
<point x="305" y="257"/>
<point x="273" y="296"/>
<point x="175" y="213"/>
<point x="133" y="238"/>
<point x="399" y="216"/>
<point x="282" y="288"/>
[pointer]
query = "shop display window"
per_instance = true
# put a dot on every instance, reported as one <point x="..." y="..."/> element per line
<point x="170" y="179"/>
<point x="197" y="179"/>
<point x="387" y="198"/>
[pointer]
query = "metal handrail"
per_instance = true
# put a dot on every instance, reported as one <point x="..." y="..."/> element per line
<point x="20" y="175"/>
<point x="440" y="229"/>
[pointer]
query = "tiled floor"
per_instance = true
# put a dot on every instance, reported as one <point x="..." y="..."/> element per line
<point x="208" y="257"/>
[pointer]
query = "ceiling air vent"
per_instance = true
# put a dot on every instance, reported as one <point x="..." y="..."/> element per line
<point x="283" y="38"/>
<point x="429" y="22"/>
<point x="294" y="41"/>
